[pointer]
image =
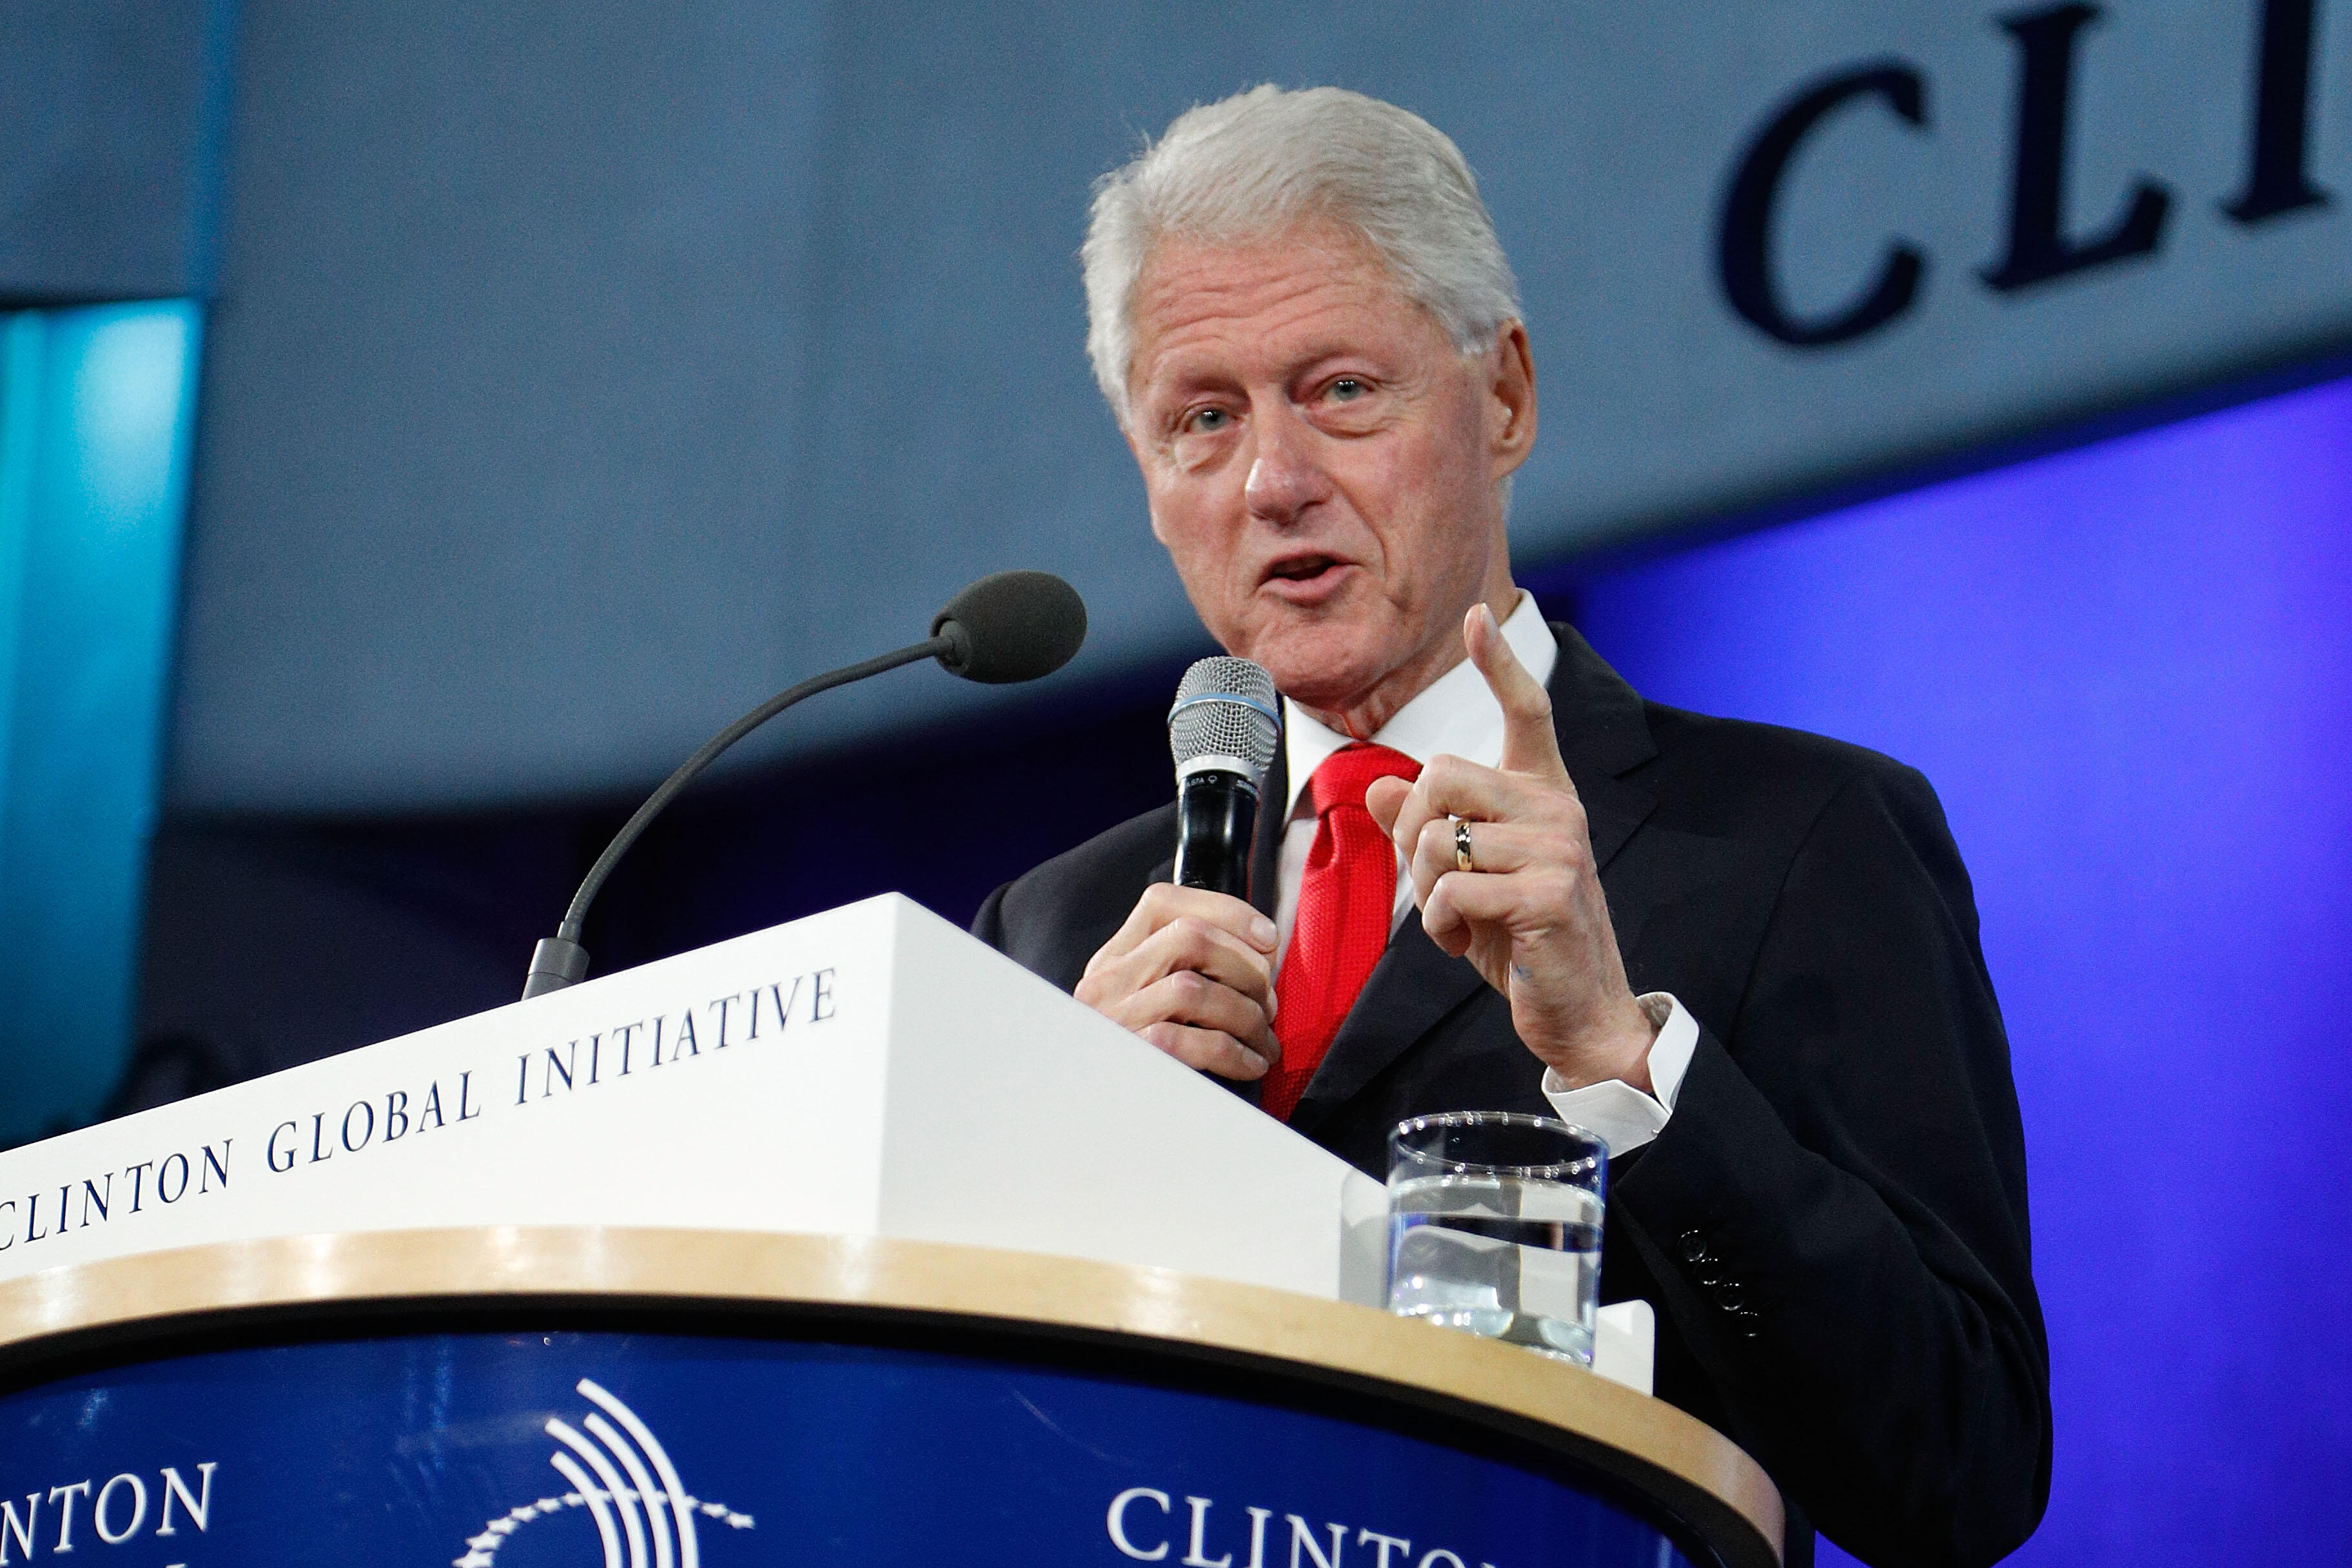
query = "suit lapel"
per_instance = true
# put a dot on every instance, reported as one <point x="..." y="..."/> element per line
<point x="1266" y="849"/>
<point x="1604" y="735"/>
<point x="1413" y="986"/>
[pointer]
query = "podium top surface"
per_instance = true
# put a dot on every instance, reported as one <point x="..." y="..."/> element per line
<point x="870" y="1070"/>
<point x="139" y="1307"/>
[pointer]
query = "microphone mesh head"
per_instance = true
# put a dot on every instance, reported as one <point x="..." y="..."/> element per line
<point x="1226" y="708"/>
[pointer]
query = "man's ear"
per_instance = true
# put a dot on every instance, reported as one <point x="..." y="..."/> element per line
<point x="1510" y="369"/>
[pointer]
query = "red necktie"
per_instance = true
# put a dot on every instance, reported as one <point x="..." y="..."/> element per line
<point x="1345" y="901"/>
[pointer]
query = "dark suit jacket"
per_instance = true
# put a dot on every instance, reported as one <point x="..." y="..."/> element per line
<point x="1833" y="1226"/>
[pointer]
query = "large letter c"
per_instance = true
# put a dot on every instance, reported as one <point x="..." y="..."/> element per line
<point x="1117" y="1522"/>
<point x="1744" y="243"/>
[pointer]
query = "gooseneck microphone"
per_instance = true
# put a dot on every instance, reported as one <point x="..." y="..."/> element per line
<point x="1223" y="732"/>
<point x="1012" y="626"/>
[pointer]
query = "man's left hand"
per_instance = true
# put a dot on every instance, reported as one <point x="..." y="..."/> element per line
<point x="1531" y="918"/>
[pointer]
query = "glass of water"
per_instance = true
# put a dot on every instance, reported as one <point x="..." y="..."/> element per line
<point x="1494" y="1226"/>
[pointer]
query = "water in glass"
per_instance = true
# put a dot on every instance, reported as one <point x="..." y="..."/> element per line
<point x="1506" y="1257"/>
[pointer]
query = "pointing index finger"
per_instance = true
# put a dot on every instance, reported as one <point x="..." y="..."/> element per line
<point x="1530" y="745"/>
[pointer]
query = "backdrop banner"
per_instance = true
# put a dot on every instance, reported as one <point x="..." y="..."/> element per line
<point x="591" y="377"/>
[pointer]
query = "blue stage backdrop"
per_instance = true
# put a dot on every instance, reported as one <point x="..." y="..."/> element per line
<point x="2129" y="671"/>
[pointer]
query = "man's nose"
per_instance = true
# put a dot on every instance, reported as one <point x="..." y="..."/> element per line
<point x="1284" y="478"/>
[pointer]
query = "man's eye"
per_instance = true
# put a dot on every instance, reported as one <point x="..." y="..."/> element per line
<point x="1209" y="419"/>
<point x="1347" y="389"/>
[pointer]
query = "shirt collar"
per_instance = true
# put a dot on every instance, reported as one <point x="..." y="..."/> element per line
<point x="1456" y="716"/>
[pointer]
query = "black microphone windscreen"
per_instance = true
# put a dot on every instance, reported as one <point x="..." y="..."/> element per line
<point x="1012" y="626"/>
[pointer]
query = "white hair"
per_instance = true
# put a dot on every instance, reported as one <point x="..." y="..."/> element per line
<point x="1262" y="161"/>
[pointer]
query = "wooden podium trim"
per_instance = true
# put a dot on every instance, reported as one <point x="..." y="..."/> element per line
<point x="110" y="1310"/>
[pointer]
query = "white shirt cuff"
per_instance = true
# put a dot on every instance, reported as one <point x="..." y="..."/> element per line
<point x="1615" y="1111"/>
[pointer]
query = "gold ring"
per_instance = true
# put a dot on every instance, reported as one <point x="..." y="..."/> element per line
<point x="1461" y="860"/>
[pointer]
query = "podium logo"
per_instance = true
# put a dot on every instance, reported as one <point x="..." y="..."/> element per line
<point x="618" y="1471"/>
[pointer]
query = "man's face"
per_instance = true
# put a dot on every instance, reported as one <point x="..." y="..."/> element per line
<point x="1321" y="463"/>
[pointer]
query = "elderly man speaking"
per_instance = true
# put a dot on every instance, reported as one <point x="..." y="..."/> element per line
<point x="1491" y="876"/>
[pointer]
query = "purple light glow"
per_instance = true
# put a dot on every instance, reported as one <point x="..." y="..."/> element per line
<point x="2127" y="669"/>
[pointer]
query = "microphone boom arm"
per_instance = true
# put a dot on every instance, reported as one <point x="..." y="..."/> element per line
<point x="560" y="960"/>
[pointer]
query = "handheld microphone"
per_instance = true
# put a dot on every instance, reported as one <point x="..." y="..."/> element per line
<point x="1009" y="627"/>
<point x="1222" y="732"/>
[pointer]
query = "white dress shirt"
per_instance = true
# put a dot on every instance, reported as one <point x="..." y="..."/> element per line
<point x="1457" y="716"/>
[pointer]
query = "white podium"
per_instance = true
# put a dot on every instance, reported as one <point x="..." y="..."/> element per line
<point x="869" y="1072"/>
<point x="532" y="1286"/>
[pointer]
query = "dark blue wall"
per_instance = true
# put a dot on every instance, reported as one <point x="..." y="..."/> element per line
<point x="2129" y="671"/>
<point x="111" y="114"/>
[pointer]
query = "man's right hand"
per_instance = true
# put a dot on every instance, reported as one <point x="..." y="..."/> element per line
<point x="1193" y="973"/>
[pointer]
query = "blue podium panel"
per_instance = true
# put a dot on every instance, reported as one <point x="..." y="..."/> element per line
<point x="632" y="1450"/>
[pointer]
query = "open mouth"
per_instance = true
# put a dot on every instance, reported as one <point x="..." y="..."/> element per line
<point x="1303" y="568"/>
